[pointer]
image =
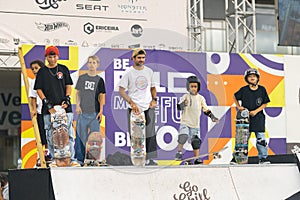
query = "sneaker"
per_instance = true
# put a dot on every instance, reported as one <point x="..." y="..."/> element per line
<point x="233" y="161"/>
<point x="53" y="164"/>
<point x="151" y="162"/>
<point x="198" y="161"/>
<point x="264" y="161"/>
<point x="178" y="156"/>
<point x="75" y="164"/>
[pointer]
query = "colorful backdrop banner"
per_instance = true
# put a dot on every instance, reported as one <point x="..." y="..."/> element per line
<point x="221" y="74"/>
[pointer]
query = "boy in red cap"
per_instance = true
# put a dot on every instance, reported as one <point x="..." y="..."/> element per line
<point x="53" y="85"/>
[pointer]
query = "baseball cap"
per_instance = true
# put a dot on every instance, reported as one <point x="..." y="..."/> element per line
<point x="51" y="50"/>
<point x="138" y="51"/>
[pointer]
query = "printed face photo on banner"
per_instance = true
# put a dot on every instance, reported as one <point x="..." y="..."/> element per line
<point x="220" y="74"/>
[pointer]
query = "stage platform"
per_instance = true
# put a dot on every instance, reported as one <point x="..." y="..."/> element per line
<point x="201" y="182"/>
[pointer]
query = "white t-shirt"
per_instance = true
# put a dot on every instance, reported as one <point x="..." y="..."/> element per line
<point x="192" y="111"/>
<point x="138" y="84"/>
<point x="33" y="94"/>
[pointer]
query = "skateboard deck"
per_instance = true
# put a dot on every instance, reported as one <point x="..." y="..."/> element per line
<point x="242" y="136"/>
<point x="93" y="150"/>
<point x="60" y="137"/>
<point x="215" y="154"/>
<point x="137" y="139"/>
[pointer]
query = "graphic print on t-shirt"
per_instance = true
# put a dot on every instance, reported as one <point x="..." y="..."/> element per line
<point x="259" y="101"/>
<point x="141" y="82"/>
<point x="89" y="85"/>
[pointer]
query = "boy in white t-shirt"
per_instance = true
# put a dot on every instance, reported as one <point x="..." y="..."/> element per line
<point x="191" y="105"/>
<point x="36" y="102"/>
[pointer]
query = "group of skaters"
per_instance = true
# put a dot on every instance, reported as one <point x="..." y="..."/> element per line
<point x="53" y="83"/>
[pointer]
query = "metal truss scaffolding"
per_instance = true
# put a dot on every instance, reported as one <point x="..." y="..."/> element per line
<point x="195" y="25"/>
<point x="241" y="26"/>
<point x="9" y="60"/>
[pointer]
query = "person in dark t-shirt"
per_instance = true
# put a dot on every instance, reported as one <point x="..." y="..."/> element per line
<point x="53" y="85"/>
<point x="90" y="98"/>
<point x="254" y="97"/>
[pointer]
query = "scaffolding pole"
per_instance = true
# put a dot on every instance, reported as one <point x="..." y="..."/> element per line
<point x="240" y="26"/>
<point x="195" y="25"/>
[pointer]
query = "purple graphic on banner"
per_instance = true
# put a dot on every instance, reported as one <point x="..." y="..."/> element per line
<point x="171" y="70"/>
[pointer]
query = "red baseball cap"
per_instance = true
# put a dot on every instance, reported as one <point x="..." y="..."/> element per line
<point x="51" y="50"/>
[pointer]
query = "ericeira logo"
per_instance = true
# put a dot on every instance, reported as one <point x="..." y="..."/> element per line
<point x="89" y="28"/>
<point x="46" y="4"/>
<point x="136" y="30"/>
<point x="48" y="27"/>
<point x="191" y="192"/>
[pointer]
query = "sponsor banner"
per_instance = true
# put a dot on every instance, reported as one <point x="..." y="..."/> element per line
<point x="292" y="95"/>
<point x="94" y="23"/>
<point x="10" y="112"/>
<point x="220" y="78"/>
<point x="178" y="183"/>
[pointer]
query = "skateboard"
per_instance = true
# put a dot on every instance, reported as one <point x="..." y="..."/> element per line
<point x="93" y="150"/>
<point x="240" y="152"/>
<point x="60" y="137"/>
<point x="215" y="154"/>
<point x="137" y="137"/>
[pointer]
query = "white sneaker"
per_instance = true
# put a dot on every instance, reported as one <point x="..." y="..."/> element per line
<point x="75" y="164"/>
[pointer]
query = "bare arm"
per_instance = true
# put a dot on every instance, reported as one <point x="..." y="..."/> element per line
<point x="238" y="104"/>
<point x="41" y="94"/>
<point x="252" y="113"/>
<point x="123" y="94"/>
<point x="78" y="108"/>
<point x="33" y="104"/>
<point x="68" y="90"/>
<point x="153" y="94"/>
<point x="101" y="100"/>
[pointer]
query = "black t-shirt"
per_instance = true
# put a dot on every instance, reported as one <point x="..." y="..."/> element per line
<point x="89" y="89"/>
<point x="53" y="83"/>
<point x="252" y="99"/>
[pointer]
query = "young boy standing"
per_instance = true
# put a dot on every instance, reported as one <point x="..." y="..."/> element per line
<point x="254" y="97"/>
<point x="53" y="84"/>
<point x="191" y="105"/>
<point x="36" y="102"/>
<point x="90" y="98"/>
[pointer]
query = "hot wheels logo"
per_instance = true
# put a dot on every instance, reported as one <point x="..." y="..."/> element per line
<point x="52" y="26"/>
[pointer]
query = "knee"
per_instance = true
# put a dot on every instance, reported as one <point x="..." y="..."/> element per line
<point x="182" y="138"/>
<point x="196" y="142"/>
<point x="262" y="142"/>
